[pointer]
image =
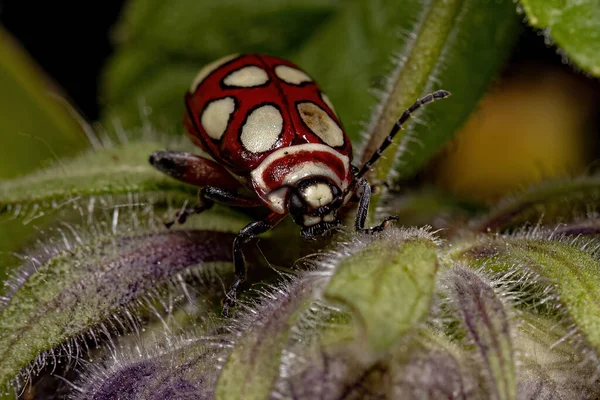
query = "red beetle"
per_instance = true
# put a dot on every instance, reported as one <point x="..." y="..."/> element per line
<point x="269" y="128"/>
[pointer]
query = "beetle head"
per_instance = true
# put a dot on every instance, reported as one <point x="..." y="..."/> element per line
<point x="313" y="204"/>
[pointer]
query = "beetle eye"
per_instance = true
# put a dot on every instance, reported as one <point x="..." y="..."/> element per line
<point x="296" y="205"/>
<point x="337" y="196"/>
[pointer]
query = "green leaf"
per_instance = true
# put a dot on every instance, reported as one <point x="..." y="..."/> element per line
<point x="431" y="366"/>
<point x="547" y="203"/>
<point x="94" y="180"/>
<point x="387" y="284"/>
<point x="456" y="45"/>
<point x="163" y="46"/>
<point x="552" y="363"/>
<point x="573" y="24"/>
<point x="487" y="322"/>
<point x="430" y="206"/>
<point x="116" y="171"/>
<point x="252" y="367"/>
<point x="568" y="276"/>
<point x="206" y="28"/>
<point x="84" y="279"/>
<point x="575" y="276"/>
<point x="36" y="125"/>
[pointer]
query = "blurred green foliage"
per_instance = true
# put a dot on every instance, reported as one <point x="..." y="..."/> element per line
<point x="456" y="45"/>
<point x="349" y="47"/>
<point x="36" y="125"/>
<point x="162" y="46"/>
<point x="573" y="24"/>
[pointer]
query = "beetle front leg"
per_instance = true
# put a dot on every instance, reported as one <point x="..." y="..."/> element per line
<point x="363" y="190"/>
<point x="211" y="195"/>
<point x="182" y="215"/>
<point x="248" y="233"/>
<point x="198" y="171"/>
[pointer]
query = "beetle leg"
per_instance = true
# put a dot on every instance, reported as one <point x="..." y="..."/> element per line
<point x="229" y="197"/>
<point x="193" y="169"/>
<point x="247" y="233"/>
<point x="182" y="215"/>
<point x="211" y="195"/>
<point x="363" y="189"/>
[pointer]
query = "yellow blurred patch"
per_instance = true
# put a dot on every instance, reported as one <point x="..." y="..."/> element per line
<point x="533" y="126"/>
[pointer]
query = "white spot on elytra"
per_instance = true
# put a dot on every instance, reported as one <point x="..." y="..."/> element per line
<point x="291" y="75"/>
<point x="262" y="129"/>
<point x="206" y="70"/>
<point x="249" y="76"/>
<point x="328" y="102"/>
<point x="321" y="124"/>
<point x="318" y="194"/>
<point x="216" y="116"/>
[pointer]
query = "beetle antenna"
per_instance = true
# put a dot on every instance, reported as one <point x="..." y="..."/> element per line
<point x="440" y="94"/>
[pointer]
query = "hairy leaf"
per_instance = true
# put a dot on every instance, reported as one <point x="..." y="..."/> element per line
<point x="487" y="324"/>
<point x="90" y="283"/>
<point x="81" y="184"/>
<point x="115" y="171"/>
<point x="567" y="275"/>
<point x="330" y="374"/>
<point x="430" y="366"/>
<point x="573" y="25"/>
<point x="252" y="366"/>
<point x="176" y="367"/>
<point x="548" y="203"/>
<point x="387" y="284"/>
<point x="551" y="364"/>
<point x="575" y="276"/>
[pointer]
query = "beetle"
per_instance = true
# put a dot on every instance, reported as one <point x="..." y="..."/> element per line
<point x="269" y="128"/>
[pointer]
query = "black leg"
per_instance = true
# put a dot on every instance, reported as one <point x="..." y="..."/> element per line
<point x="183" y="215"/>
<point x="249" y="232"/>
<point x="229" y="197"/>
<point x="363" y="190"/>
<point x="211" y="195"/>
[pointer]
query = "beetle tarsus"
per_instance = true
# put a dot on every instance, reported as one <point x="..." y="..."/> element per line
<point x="247" y="233"/>
<point x="363" y="189"/>
<point x="230" y="299"/>
<point x="383" y="225"/>
<point x="182" y="216"/>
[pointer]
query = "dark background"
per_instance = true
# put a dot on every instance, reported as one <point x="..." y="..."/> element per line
<point x="69" y="39"/>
